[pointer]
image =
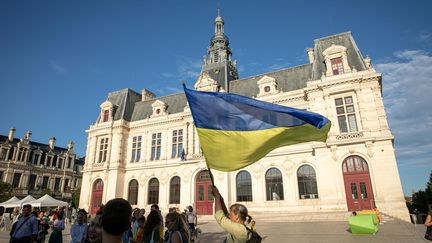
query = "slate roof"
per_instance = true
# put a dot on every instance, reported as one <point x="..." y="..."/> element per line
<point x="344" y="39"/>
<point x="131" y="108"/>
<point x="42" y="146"/>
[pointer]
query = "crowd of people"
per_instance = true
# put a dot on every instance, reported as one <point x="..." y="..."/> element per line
<point x="117" y="222"/>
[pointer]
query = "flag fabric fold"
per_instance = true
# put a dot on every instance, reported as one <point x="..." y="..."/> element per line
<point x="236" y="131"/>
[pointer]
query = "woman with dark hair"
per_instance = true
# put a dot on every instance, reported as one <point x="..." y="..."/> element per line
<point x="233" y="222"/>
<point x="59" y="225"/>
<point x="178" y="230"/>
<point x="152" y="227"/>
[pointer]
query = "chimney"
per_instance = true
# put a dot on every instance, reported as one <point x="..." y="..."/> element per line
<point x="27" y="135"/>
<point x="147" y="95"/>
<point x="11" y="133"/>
<point x="310" y="52"/>
<point x="70" y="146"/>
<point x="52" y="142"/>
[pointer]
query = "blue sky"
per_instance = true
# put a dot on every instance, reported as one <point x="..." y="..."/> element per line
<point x="59" y="59"/>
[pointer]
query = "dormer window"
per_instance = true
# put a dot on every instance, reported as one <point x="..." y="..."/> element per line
<point x="105" y="115"/>
<point x="337" y="65"/>
<point x="107" y="111"/>
<point x="336" y="60"/>
<point x="159" y="108"/>
<point x="267" y="86"/>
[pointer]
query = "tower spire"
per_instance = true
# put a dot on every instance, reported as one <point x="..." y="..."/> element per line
<point x="218" y="62"/>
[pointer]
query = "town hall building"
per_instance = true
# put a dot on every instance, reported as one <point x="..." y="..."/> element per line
<point x="146" y="149"/>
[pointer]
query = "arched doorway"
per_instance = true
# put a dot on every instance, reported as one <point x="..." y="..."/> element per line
<point x="203" y="193"/>
<point x="358" y="186"/>
<point x="97" y="193"/>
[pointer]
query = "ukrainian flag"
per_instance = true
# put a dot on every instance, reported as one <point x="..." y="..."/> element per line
<point x="236" y="131"/>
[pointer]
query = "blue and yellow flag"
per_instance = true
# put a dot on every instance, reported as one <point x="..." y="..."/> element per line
<point x="236" y="131"/>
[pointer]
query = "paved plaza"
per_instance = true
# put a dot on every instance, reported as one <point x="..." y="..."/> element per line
<point x="273" y="230"/>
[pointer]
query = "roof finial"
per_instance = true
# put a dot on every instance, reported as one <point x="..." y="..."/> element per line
<point x="218" y="12"/>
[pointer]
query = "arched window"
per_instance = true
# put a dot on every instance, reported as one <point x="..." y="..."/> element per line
<point x="354" y="164"/>
<point x="153" y="193"/>
<point x="133" y="192"/>
<point x="244" y="186"/>
<point x="174" y="190"/>
<point x="307" y="182"/>
<point x="274" y="185"/>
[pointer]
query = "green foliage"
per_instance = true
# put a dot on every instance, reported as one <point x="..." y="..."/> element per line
<point x="76" y="197"/>
<point x="423" y="198"/>
<point x="47" y="191"/>
<point x="5" y="191"/>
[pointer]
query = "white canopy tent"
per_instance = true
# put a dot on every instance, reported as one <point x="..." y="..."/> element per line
<point x="11" y="200"/>
<point x="21" y="202"/>
<point x="47" y="201"/>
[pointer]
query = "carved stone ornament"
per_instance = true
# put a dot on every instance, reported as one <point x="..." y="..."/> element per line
<point x="333" y="149"/>
<point x="267" y="86"/>
<point x="206" y="83"/>
<point x="159" y="108"/>
<point x="369" y="147"/>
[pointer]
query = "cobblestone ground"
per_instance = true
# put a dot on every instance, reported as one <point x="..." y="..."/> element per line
<point x="394" y="231"/>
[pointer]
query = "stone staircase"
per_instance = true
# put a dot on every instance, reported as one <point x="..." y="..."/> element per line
<point x="296" y="217"/>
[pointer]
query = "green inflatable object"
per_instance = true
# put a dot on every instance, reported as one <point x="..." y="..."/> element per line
<point x="363" y="224"/>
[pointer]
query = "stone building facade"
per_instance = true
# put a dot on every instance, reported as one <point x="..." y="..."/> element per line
<point x="145" y="148"/>
<point x="32" y="167"/>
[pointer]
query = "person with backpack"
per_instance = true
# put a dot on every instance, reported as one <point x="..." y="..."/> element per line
<point x="233" y="222"/>
<point x="25" y="230"/>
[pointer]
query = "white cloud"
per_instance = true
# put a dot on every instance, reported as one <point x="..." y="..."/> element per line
<point x="186" y="69"/>
<point x="57" y="67"/>
<point x="425" y="36"/>
<point x="407" y="91"/>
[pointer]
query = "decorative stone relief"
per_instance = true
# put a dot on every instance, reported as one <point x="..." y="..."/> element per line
<point x="206" y="83"/>
<point x="333" y="149"/>
<point x="267" y="86"/>
<point x="288" y="166"/>
<point x="159" y="108"/>
<point x="369" y="147"/>
<point x="257" y="170"/>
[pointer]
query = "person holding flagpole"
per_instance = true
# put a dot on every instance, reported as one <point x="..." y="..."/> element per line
<point x="233" y="222"/>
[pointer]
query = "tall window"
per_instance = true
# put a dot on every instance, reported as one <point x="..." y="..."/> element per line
<point x="153" y="194"/>
<point x="133" y="192"/>
<point x="244" y="186"/>
<point x="60" y="163"/>
<point x="3" y="152"/>
<point x="69" y="162"/>
<point x="307" y="182"/>
<point x="177" y="143"/>
<point x="103" y="150"/>
<point x="36" y="159"/>
<point x="274" y="185"/>
<point x="156" y="146"/>
<point x="54" y="161"/>
<point x="57" y="184"/>
<point x="45" y="180"/>
<point x="136" y="148"/>
<point x="346" y="114"/>
<point x="66" y="186"/>
<point x="32" y="182"/>
<point x="175" y="190"/>
<point x="16" y="180"/>
<point x="337" y="66"/>
<point x="21" y="154"/>
<point x="1" y="175"/>
<point x="105" y="115"/>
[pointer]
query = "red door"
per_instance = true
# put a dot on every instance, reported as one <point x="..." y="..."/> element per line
<point x="358" y="187"/>
<point x="96" y="199"/>
<point x="203" y="195"/>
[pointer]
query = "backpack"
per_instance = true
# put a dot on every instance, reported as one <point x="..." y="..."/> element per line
<point x="255" y="237"/>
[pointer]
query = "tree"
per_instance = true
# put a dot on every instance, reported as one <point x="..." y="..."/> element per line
<point x="76" y="197"/>
<point x="5" y="191"/>
<point x="423" y="198"/>
<point x="47" y="191"/>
